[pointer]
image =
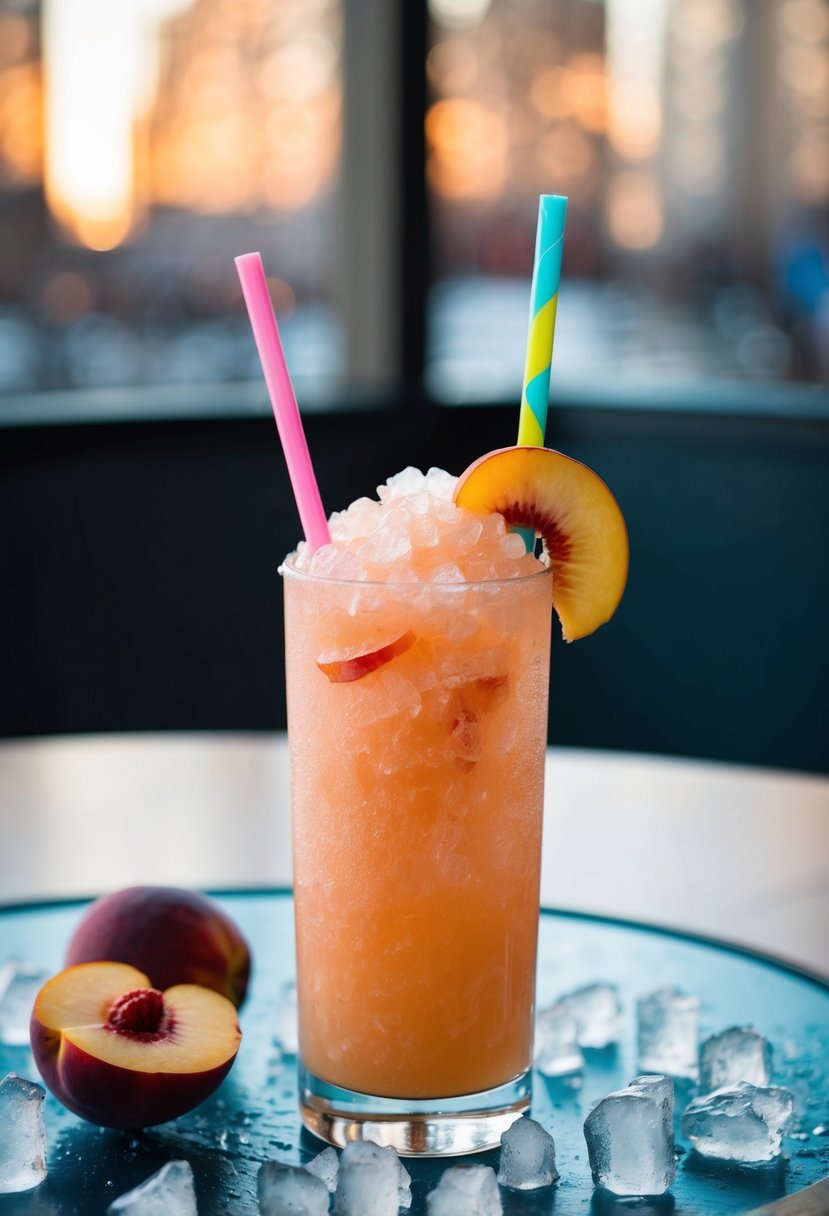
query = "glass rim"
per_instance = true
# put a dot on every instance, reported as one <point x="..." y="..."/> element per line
<point x="287" y="570"/>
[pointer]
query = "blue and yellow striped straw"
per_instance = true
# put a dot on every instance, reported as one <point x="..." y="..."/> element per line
<point x="549" y="242"/>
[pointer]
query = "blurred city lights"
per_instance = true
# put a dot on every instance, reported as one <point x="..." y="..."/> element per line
<point x="468" y="145"/>
<point x="635" y="38"/>
<point x="199" y="129"/>
<point x="634" y="210"/>
<point x="689" y="134"/>
<point x="21" y="122"/>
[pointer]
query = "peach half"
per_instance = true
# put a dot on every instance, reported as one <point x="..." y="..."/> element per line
<point x="119" y="1053"/>
<point x="575" y="514"/>
<point x="175" y="936"/>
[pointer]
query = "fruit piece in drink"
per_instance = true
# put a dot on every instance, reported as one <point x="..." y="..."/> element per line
<point x="343" y="667"/>
<point x="577" y="517"/>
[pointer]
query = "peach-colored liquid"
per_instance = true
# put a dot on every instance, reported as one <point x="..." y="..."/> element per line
<point x="417" y="807"/>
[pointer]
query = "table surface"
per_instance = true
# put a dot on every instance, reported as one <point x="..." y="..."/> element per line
<point x="253" y="1116"/>
<point x="731" y="852"/>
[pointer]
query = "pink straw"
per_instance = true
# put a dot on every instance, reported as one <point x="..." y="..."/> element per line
<point x="283" y="399"/>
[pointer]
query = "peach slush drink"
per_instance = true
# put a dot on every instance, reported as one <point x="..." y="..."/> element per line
<point x="417" y="662"/>
<point x="417" y="798"/>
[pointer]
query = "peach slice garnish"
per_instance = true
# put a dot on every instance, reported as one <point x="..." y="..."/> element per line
<point x="578" y="518"/>
<point x="345" y="666"/>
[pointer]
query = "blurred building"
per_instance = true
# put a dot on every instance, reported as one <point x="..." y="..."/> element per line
<point x="144" y="143"/>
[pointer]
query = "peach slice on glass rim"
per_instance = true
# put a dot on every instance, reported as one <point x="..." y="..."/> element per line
<point x="578" y="518"/>
<point x="120" y="1053"/>
<point x="345" y="666"/>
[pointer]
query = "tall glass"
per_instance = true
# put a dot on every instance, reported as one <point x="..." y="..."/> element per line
<point x="417" y="718"/>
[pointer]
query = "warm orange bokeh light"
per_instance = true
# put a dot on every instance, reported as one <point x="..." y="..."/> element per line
<point x="468" y="146"/>
<point x="634" y="211"/>
<point x="579" y="89"/>
<point x="21" y="122"/>
<point x="194" y="119"/>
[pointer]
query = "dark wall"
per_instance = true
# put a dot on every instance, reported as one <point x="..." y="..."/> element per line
<point x="140" y="587"/>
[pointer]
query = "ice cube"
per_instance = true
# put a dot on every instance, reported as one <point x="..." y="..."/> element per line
<point x="465" y="1190"/>
<point x="368" y="1180"/>
<point x="740" y="1123"/>
<point x="408" y="481"/>
<point x="668" y="1029"/>
<point x="388" y="544"/>
<point x="19" y="985"/>
<point x="440" y="483"/>
<point x="513" y="545"/>
<point x="630" y="1138"/>
<point x="404" y="1186"/>
<point x="286" y="1031"/>
<point x="326" y="1165"/>
<point x="556" y="1050"/>
<point x="468" y="533"/>
<point x="528" y="1156"/>
<point x="289" y="1190"/>
<point x="23" y="1139"/>
<point x="735" y="1055"/>
<point x="597" y="1011"/>
<point x="170" y="1192"/>
<point x="448" y="572"/>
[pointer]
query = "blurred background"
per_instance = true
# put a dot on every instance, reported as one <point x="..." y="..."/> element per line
<point x="386" y="157"/>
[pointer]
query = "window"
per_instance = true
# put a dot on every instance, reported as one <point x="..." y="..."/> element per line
<point x="144" y="143"/>
<point x="692" y="137"/>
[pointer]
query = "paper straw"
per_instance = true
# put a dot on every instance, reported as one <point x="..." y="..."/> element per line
<point x="549" y="242"/>
<point x="283" y="399"/>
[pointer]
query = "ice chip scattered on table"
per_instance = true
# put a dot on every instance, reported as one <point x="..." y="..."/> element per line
<point x="465" y="1190"/>
<point x="734" y="1055"/>
<point x="326" y="1166"/>
<point x="557" y="1052"/>
<point x="404" y="1186"/>
<point x="286" y="1032"/>
<point x="368" y="1181"/>
<point x="630" y="1138"/>
<point x="668" y="1033"/>
<point x="740" y="1124"/>
<point x="528" y="1156"/>
<point x="597" y="1011"/>
<point x="416" y="533"/>
<point x="19" y="985"/>
<point x="22" y="1135"/>
<point x="290" y="1190"/>
<point x="170" y="1192"/>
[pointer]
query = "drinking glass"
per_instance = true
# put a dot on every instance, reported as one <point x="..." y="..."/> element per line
<point x="417" y="721"/>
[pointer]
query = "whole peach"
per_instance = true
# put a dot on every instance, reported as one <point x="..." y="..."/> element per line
<point x="172" y="935"/>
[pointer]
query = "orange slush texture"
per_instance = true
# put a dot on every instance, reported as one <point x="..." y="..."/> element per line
<point x="417" y="801"/>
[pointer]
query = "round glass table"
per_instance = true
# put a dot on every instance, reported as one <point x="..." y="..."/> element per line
<point x="253" y="1116"/>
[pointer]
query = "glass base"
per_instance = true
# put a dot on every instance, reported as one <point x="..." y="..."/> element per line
<point x="428" y="1127"/>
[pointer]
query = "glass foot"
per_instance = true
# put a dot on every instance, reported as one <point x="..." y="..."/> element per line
<point x="430" y="1127"/>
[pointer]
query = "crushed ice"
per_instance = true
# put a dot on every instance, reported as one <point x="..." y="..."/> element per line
<point x="170" y="1192"/>
<point x="414" y="532"/>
